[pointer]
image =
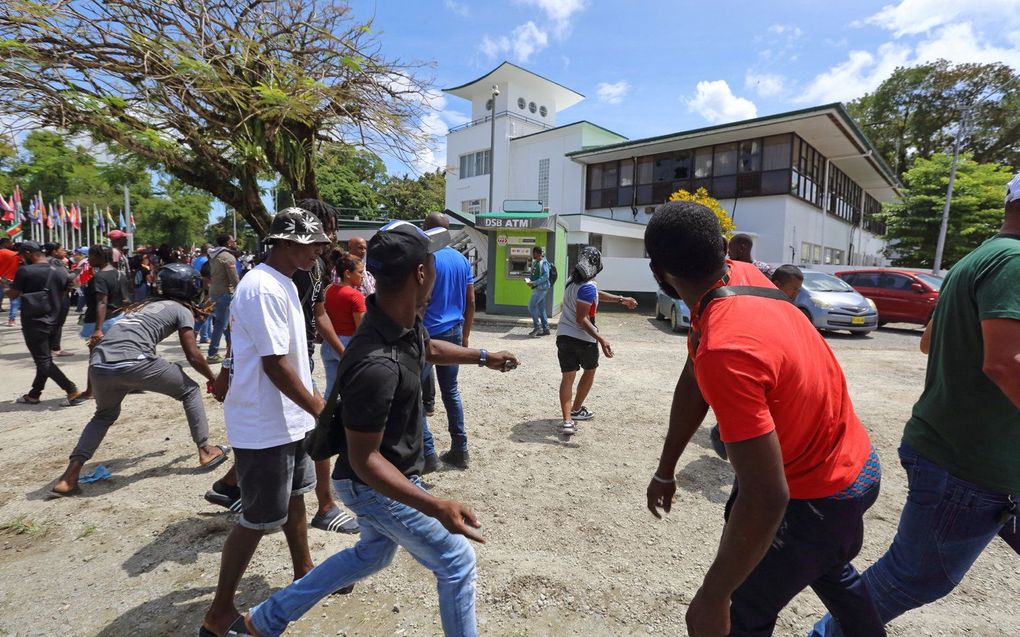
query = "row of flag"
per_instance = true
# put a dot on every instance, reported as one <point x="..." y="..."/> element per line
<point x="39" y="213"/>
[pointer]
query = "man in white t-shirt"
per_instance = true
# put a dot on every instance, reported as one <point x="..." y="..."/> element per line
<point x="269" y="408"/>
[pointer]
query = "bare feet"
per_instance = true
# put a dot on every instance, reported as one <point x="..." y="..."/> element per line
<point x="210" y="455"/>
<point x="68" y="482"/>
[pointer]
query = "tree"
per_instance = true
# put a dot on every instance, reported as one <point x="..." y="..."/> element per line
<point x="178" y="217"/>
<point x="246" y="237"/>
<point x="407" y="198"/>
<point x="701" y="196"/>
<point x="219" y="94"/>
<point x="912" y="226"/>
<point x="348" y="178"/>
<point x="916" y="113"/>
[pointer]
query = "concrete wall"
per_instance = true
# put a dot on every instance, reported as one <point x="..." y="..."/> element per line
<point x="623" y="274"/>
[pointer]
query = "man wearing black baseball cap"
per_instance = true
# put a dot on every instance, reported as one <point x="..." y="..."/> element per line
<point x="381" y="459"/>
<point x="42" y="288"/>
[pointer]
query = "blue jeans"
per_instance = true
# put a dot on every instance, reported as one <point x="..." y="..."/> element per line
<point x="447" y="377"/>
<point x="221" y="318"/>
<point x="536" y="306"/>
<point x="12" y="313"/>
<point x="385" y="525"/>
<point x="945" y="524"/>
<point x="203" y="327"/>
<point x="330" y="361"/>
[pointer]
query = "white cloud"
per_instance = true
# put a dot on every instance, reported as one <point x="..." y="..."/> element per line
<point x="912" y="17"/>
<point x="765" y="84"/>
<point x="526" y="40"/>
<point x="790" y="31"/>
<point x="716" y="103"/>
<point x="612" y="93"/>
<point x="457" y="8"/>
<point x="959" y="44"/>
<point x="860" y="73"/>
<point x="559" y="12"/>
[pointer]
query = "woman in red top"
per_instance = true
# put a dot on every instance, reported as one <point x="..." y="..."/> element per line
<point x="345" y="306"/>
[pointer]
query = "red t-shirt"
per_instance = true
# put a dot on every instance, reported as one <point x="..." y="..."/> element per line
<point x="763" y="367"/>
<point x="9" y="262"/>
<point x="342" y="302"/>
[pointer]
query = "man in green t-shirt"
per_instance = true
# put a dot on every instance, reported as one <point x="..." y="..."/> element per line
<point x="961" y="446"/>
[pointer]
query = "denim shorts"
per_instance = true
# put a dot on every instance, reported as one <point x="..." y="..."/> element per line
<point x="268" y="479"/>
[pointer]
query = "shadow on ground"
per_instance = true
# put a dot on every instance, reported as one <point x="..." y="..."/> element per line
<point x="708" y="476"/>
<point x="664" y="327"/>
<point x="182" y="543"/>
<point x="541" y="431"/>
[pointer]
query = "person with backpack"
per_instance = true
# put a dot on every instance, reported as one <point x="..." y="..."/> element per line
<point x="539" y="281"/>
<point x="805" y="469"/>
<point x="223" y="278"/>
<point x="42" y="287"/>
<point x="381" y="454"/>
<point x="125" y="360"/>
<point x="578" y="340"/>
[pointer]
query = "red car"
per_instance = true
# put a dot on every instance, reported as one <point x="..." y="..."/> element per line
<point x="901" y="296"/>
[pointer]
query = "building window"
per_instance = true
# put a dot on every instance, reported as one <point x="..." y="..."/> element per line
<point x="473" y="206"/>
<point x="543" y="181"/>
<point x="521" y="103"/>
<point x="543" y="111"/>
<point x="475" y="164"/>
<point x="808" y="172"/>
<point x="532" y="107"/>
<point x="610" y="184"/>
<point x="872" y="208"/>
<point x="844" y="196"/>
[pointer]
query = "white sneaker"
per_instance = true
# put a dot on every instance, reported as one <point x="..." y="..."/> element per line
<point x="582" y="414"/>
<point x="568" y="428"/>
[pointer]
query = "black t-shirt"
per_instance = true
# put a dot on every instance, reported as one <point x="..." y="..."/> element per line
<point x="379" y="394"/>
<point x="113" y="284"/>
<point x="33" y="278"/>
<point x="311" y="288"/>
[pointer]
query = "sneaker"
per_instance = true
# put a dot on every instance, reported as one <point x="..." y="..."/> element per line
<point x="203" y="341"/>
<point x="534" y="332"/>
<point x="717" y="443"/>
<point x="336" y="520"/>
<point x="73" y="399"/>
<point x="215" y="358"/>
<point x="431" y="464"/>
<point x="430" y="411"/>
<point x="582" y="414"/>
<point x="544" y="332"/>
<point x="224" y="495"/>
<point x="459" y="458"/>
<point x="568" y="428"/>
<point x="11" y="323"/>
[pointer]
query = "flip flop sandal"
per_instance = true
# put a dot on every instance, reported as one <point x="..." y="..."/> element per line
<point x="218" y="460"/>
<point x="27" y="400"/>
<point x="237" y="629"/>
<point x="336" y="520"/>
<point x="57" y="494"/>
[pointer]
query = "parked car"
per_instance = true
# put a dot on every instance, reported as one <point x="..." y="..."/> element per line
<point x="900" y="295"/>
<point x="831" y="304"/>
<point x="673" y="309"/>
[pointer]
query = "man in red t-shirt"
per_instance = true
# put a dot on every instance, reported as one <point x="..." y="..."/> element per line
<point x="805" y="469"/>
<point x="9" y="262"/>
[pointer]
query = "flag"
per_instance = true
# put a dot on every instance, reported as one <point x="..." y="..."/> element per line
<point x="51" y="218"/>
<point x="76" y="216"/>
<point x="14" y="231"/>
<point x="17" y="198"/>
<point x="110" y="221"/>
<point x="123" y="224"/>
<point x="8" y="208"/>
<point x="131" y="220"/>
<point x="101" y="222"/>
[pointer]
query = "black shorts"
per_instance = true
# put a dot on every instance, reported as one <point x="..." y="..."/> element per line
<point x="576" y="354"/>
<point x="269" y="478"/>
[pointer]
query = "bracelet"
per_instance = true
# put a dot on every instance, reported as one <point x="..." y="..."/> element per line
<point x="483" y="357"/>
<point x="656" y="477"/>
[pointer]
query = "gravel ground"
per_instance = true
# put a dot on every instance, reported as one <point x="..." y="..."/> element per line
<point x="570" y="548"/>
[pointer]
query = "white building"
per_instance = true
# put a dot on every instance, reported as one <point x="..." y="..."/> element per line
<point x="771" y="173"/>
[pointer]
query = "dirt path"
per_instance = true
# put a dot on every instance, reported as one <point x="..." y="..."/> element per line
<point x="571" y="549"/>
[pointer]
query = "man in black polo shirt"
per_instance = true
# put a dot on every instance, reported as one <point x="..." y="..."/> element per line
<point x="377" y="472"/>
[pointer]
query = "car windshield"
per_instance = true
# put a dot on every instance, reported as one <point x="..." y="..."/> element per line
<point x="818" y="282"/>
<point x="932" y="280"/>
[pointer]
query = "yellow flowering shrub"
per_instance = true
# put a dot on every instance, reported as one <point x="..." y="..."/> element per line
<point x="701" y="196"/>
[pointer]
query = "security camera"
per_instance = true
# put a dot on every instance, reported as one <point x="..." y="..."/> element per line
<point x="495" y="90"/>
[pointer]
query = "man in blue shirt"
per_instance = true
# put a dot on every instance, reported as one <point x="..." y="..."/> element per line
<point x="448" y="317"/>
<point x="202" y="327"/>
<point x="539" y="284"/>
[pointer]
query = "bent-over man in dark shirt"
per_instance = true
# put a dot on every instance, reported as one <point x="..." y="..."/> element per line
<point x="377" y="472"/>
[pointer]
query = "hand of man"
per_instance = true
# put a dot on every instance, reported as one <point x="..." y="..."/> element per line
<point x="708" y="618"/>
<point x="458" y="518"/>
<point x="319" y="403"/>
<point x="221" y="385"/>
<point x="95" y="338"/>
<point x="661" y="495"/>
<point x="502" y="361"/>
<point x="607" y="349"/>
<point x="629" y="302"/>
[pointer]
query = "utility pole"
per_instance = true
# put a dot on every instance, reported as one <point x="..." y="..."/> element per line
<point x="936" y="267"/>
<point x="492" y="144"/>
<point x="127" y="220"/>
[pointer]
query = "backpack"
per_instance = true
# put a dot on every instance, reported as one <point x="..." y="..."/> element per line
<point x="553" y="274"/>
<point x="205" y="272"/>
<point x="328" y="438"/>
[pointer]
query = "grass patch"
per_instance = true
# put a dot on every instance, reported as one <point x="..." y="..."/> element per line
<point x="21" y="525"/>
<point x="87" y="531"/>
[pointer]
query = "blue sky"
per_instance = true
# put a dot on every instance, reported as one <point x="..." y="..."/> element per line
<point x="654" y="67"/>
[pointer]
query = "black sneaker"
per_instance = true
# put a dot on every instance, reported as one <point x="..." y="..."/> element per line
<point x="582" y="414"/>
<point x="534" y="332"/>
<point x="459" y="458"/>
<point x="431" y="464"/>
<point x="544" y="332"/>
<point x="225" y="496"/>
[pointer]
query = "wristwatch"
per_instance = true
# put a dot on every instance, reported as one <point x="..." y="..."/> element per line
<point x="227" y="363"/>
<point x="483" y="357"/>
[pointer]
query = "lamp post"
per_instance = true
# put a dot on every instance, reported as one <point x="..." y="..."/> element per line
<point x="940" y="246"/>
<point x="492" y="142"/>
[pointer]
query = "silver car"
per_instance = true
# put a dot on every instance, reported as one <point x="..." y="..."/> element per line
<point x="831" y="304"/>
<point x="673" y="309"/>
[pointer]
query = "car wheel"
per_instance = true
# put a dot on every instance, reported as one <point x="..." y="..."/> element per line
<point x="859" y="334"/>
<point x="882" y="323"/>
<point x="674" y="321"/>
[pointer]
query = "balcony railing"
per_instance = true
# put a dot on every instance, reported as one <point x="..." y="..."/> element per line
<point x="488" y="118"/>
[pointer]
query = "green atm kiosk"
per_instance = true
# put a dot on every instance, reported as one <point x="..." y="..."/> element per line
<point x="511" y="237"/>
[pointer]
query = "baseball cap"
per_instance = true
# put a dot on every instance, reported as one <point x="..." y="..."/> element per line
<point x="117" y="234"/>
<point x="29" y="246"/>
<point x="297" y="225"/>
<point x="1013" y="189"/>
<point x="400" y="245"/>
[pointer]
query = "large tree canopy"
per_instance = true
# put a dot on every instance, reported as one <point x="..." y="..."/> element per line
<point x="219" y="94"/>
<point x="917" y="111"/>
<point x="975" y="215"/>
